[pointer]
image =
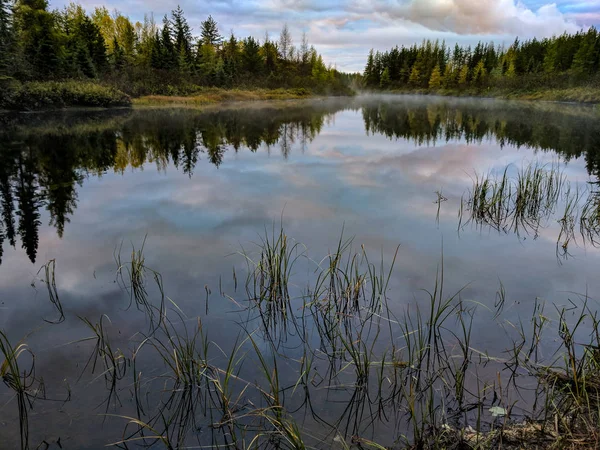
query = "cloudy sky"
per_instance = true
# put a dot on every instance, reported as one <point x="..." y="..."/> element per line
<point x="344" y="31"/>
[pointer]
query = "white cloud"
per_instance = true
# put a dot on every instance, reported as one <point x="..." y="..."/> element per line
<point x="479" y="17"/>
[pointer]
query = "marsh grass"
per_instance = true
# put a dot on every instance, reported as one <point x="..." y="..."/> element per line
<point x="21" y="380"/>
<point x="50" y="281"/>
<point x="526" y="203"/>
<point x="135" y="283"/>
<point x="269" y="281"/>
<point x="520" y="204"/>
<point x="114" y="363"/>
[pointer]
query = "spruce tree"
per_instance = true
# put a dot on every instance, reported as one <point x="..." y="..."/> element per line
<point x="253" y="60"/>
<point x="6" y="36"/>
<point x="183" y="38"/>
<point x="385" y="78"/>
<point x="37" y="38"/>
<point x="210" y="32"/>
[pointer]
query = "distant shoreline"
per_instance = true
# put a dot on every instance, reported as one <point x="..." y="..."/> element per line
<point x="583" y="95"/>
<point x="47" y="96"/>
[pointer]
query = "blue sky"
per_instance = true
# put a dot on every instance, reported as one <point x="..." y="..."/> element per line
<point x="344" y="31"/>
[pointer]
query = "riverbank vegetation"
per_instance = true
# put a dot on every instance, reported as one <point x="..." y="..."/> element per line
<point x="561" y="68"/>
<point x="112" y="57"/>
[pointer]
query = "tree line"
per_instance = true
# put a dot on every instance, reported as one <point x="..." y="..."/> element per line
<point x="567" y="59"/>
<point x="147" y="57"/>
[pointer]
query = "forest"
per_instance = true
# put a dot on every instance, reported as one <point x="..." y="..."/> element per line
<point x="40" y="49"/>
<point x="565" y="61"/>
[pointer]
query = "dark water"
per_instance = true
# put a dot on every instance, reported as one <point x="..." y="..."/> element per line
<point x="201" y="186"/>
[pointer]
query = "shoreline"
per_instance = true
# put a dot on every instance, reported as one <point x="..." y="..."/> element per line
<point x="209" y="97"/>
<point x="573" y="95"/>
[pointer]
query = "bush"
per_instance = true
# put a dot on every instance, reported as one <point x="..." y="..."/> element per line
<point x="51" y="94"/>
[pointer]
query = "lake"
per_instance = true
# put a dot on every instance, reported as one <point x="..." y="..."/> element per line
<point x="335" y="272"/>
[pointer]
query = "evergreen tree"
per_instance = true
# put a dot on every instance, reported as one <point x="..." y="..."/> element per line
<point x="37" y="38"/>
<point x="479" y="73"/>
<point x="168" y="57"/>
<point x="449" y="77"/>
<point x="183" y="39"/>
<point x="251" y="56"/>
<point x="463" y="75"/>
<point x="415" y="76"/>
<point x="6" y="36"/>
<point x="586" y="58"/>
<point x="210" y="32"/>
<point x="435" y="81"/>
<point x="385" y="78"/>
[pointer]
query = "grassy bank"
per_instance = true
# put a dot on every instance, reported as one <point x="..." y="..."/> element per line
<point x="55" y="94"/>
<point x="52" y="95"/>
<point x="582" y="94"/>
<point x="216" y="95"/>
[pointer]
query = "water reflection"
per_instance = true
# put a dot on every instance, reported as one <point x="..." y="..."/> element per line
<point x="118" y="176"/>
<point x="45" y="159"/>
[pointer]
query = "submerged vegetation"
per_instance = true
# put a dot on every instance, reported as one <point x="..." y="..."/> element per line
<point x="96" y="59"/>
<point x="564" y="67"/>
<point x="403" y="375"/>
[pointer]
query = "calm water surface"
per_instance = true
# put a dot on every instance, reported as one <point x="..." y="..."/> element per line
<point x="199" y="187"/>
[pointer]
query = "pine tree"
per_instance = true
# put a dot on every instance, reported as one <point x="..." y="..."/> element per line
<point x="210" y="32"/>
<point x="183" y="39"/>
<point x="511" y="71"/>
<point x="385" y="78"/>
<point x="253" y="60"/>
<point x="449" y="77"/>
<point x="37" y="37"/>
<point x="117" y="56"/>
<point x="6" y="36"/>
<point x="415" y="76"/>
<point x="463" y="75"/>
<point x="586" y="57"/>
<point x="168" y="57"/>
<point x="369" y="73"/>
<point x="435" y="81"/>
<point x="480" y="73"/>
